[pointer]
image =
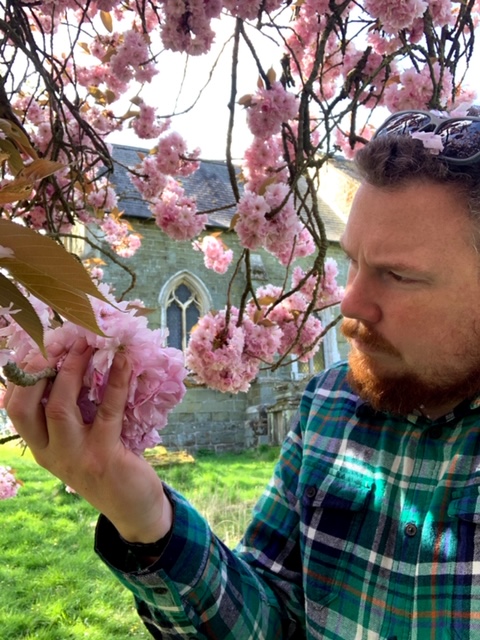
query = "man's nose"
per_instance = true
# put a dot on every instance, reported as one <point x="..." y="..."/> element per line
<point x="361" y="300"/>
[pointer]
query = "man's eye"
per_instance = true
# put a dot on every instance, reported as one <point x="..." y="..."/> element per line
<point x="399" y="278"/>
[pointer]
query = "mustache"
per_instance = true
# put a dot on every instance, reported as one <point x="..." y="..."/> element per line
<point x="354" y="330"/>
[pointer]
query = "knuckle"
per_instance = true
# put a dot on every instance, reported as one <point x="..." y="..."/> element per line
<point x="107" y="412"/>
<point x="17" y="412"/>
<point x="56" y="411"/>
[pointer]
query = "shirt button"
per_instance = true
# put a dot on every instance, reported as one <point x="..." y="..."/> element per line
<point x="311" y="492"/>
<point x="411" y="529"/>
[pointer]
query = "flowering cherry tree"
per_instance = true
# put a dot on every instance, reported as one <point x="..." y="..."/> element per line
<point x="73" y="73"/>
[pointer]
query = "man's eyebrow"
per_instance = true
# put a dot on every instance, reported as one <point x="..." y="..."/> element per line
<point x="393" y="265"/>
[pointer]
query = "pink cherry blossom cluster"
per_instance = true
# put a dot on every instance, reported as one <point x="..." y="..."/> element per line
<point x="101" y="76"/>
<point x="270" y="221"/>
<point x="9" y="485"/>
<point x="414" y="89"/>
<point x="187" y="25"/>
<point x="263" y="162"/>
<point x="324" y="290"/>
<point x="268" y="108"/>
<point x="119" y="235"/>
<point x="124" y="57"/>
<point x="102" y="196"/>
<point x="216" y="255"/>
<point x="407" y="87"/>
<point x="146" y="124"/>
<point x="227" y="355"/>
<point x="157" y="376"/>
<point x="172" y="156"/>
<point x="302" y="42"/>
<point x="131" y="59"/>
<point x="396" y="16"/>
<point x="300" y="332"/>
<point x="176" y="213"/>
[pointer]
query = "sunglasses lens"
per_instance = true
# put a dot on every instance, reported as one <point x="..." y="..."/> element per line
<point x="405" y="123"/>
<point x="461" y="139"/>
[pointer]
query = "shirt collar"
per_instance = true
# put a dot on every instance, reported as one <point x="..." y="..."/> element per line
<point x="364" y="409"/>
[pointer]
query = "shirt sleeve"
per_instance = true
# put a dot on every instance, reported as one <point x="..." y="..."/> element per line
<point x="199" y="588"/>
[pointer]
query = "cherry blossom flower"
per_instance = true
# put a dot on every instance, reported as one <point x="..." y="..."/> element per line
<point x="176" y="213"/>
<point x="228" y="357"/>
<point x="149" y="179"/>
<point x="119" y="236"/>
<point x="327" y="289"/>
<point x="216" y="255"/>
<point x="171" y="155"/>
<point x="299" y="332"/>
<point x="268" y="108"/>
<point x="282" y="233"/>
<point x="9" y="485"/>
<point x="395" y="15"/>
<point x="414" y="89"/>
<point x="146" y="125"/>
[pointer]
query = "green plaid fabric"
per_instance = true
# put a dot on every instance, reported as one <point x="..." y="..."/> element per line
<point x="368" y="530"/>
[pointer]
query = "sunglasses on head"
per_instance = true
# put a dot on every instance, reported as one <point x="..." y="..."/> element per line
<point x="460" y="136"/>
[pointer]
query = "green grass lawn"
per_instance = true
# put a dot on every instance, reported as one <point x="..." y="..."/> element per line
<point x="53" y="587"/>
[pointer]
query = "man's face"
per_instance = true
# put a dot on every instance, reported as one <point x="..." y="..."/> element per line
<point x="412" y="301"/>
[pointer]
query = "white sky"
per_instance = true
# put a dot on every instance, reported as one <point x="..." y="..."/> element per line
<point x="205" y="125"/>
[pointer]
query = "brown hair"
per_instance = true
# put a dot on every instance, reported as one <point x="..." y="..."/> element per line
<point x="392" y="161"/>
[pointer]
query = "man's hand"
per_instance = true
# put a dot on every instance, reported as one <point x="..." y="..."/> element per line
<point x="91" y="458"/>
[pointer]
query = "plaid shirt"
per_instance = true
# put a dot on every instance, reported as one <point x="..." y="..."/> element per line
<point x="368" y="530"/>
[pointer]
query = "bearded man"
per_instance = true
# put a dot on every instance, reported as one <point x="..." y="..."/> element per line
<point x="370" y="528"/>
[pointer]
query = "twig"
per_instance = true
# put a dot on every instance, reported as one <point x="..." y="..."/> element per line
<point x="18" y="376"/>
<point x="6" y="439"/>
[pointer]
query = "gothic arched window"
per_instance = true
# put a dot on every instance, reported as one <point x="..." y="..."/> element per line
<point x="183" y="299"/>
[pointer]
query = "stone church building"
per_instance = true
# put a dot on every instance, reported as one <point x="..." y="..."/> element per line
<point x="173" y="282"/>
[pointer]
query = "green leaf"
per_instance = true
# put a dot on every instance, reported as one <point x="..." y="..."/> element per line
<point x="50" y="273"/>
<point x="65" y="299"/>
<point x="47" y="257"/>
<point x="26" y="315"/>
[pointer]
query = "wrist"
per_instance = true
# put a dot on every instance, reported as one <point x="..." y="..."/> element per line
<point x="148" y="534"/>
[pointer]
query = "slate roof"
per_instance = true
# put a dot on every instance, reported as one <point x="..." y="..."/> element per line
<point x="211" y="186"/>
<point x="345" y="166"/>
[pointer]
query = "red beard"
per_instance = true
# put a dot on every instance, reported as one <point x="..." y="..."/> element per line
<point x="406" y="390"/>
